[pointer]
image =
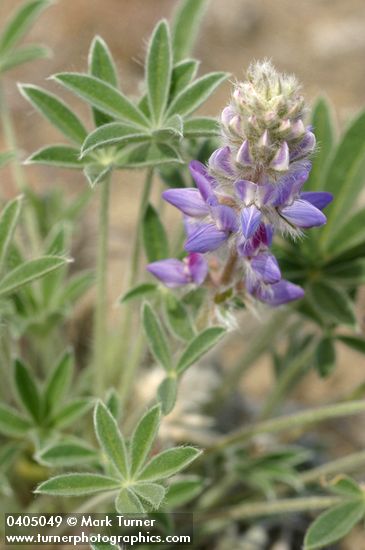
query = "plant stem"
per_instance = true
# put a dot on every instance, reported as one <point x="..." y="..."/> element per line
<point x="124" y="334"/>
<point x="280" y="506"/>
<point x="348" y="463"/>
<point x="282" y="423"/>
<point x="100" y="316"/>
<point x="18" y="173"/>
<point x="291" y="373"/>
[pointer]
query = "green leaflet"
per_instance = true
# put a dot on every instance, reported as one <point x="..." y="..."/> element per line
<point x="156" y="337"/>
<point x="77" y="485"/>
<point x="158" y="70"/>
<point x="103" y="96"/>
<point x="56" y="111"/>
<point x="334" y="524"/>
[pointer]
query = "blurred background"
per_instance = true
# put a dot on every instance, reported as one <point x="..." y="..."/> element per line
<point x="321" y="41"/>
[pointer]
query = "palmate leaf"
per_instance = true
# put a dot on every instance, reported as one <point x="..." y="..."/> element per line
<point x="60" y="156"/>
<point x="185" y="27"/>
<point x="101" y="65"/>
<point x="158" y="70"/>
<point x="56" y="111"/>
<point x="28" y="272"/>
<point x="143" y="437"/>
<point x="77" y="485"/>
<point x="334" y="524"/>
<point x="190" y="98"/>
<point x="110" y="439"/>
<point x="103" y="96"/>
<point x="19" y="24"/>
<point x="23" y="55"/>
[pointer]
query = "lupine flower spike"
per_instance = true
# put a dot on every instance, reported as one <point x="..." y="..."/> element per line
<point x="250" y="190"/>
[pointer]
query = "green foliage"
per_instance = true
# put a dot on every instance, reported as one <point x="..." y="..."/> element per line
<point x="334" y="524"/>
<point x="330" y="263"/>
<point x="44" y="411"/>
<point x="136" y="482"/>
<point x="150" y="132"/>
<point x="156" y="337"/>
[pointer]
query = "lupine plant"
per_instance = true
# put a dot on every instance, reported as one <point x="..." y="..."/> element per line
<point x="272" y="229"/>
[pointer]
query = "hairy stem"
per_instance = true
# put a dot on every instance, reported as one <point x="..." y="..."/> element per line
<point x="282" y="423"/>
<point x="100" y="316"/>
<point x="280" y="506"/>
<point x="348" y="463"/>
<point x="124" y="334"/>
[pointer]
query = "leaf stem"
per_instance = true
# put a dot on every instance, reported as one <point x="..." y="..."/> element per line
<point x="282" y="423"/>
<point x="100" y="315"/>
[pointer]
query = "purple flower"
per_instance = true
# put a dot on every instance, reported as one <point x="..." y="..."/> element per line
<point x="278" y="293"/>
<point x="175" y="273"/>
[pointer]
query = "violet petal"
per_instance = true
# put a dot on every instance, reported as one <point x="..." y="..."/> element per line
<point x="303" y="214"/>
<point x="250" y="220"/>
<point x="205" y="238"/>
<point x="266" y="268"/>
<point x="198" y="267"/>
<point x="188" y="200"/>
<point x="319" y="199"/>
<point x="171" y="272"/>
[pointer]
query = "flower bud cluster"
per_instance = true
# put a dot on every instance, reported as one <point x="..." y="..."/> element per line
<point x="251" y="188"/>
